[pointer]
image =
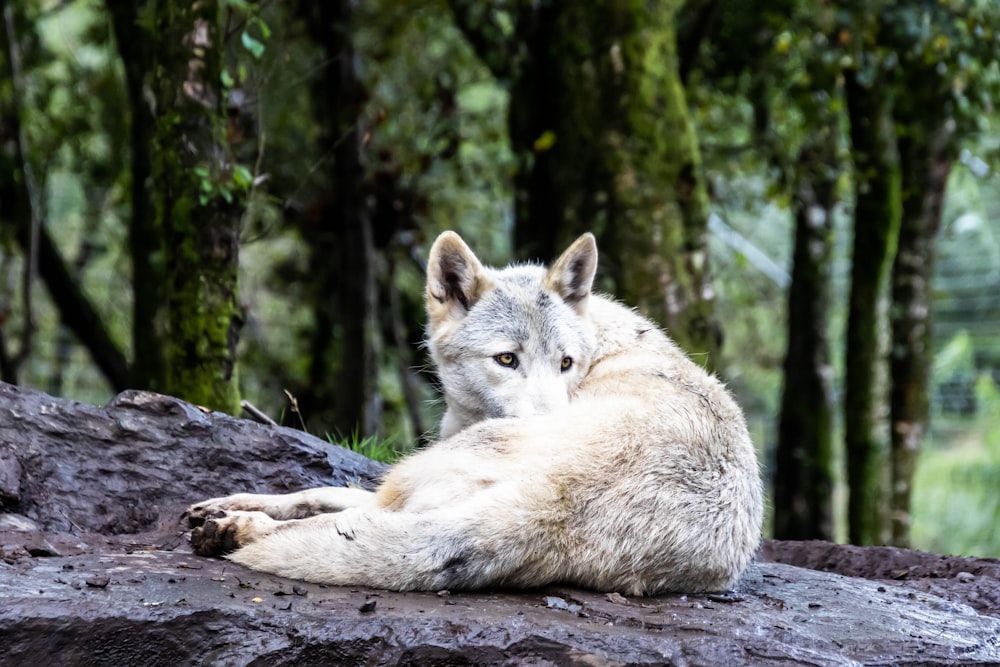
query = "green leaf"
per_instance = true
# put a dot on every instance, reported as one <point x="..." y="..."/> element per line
<point x="242" y="176"/>
<point x="255" y="47"/>
<point x="265" y="30"/>
<point x="227" y="79"/>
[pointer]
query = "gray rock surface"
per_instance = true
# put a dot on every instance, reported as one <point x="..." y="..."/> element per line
<point x="96" y="570"/>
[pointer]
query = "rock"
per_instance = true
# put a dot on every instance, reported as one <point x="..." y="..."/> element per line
<point x="110" y="580"/>
<point x="175" y="608"/>
<point x="133" y="466"/>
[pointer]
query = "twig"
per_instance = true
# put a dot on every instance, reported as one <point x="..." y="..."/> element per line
<point x="295" y="409"/>
<point x="257" y="414"/>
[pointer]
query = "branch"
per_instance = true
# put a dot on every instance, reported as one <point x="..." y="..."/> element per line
<point x="77" y="313"/>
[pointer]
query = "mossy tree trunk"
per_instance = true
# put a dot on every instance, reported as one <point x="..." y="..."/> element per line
<point x="876" y="226"/>
<point x="604" y="143"/>
<point x="928" y="147"/>
<point x="197" y="205"/>
<point x="658" y="212"/>
<point x="804" y="474"/>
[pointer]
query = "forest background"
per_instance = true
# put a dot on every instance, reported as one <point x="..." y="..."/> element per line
<point x="228" y="200"/>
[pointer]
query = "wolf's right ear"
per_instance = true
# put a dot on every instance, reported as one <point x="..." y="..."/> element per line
<point x="572" y="276"/>
<point x="456" y="279"/>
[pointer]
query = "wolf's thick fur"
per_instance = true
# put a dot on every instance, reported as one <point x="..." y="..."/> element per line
<point x="580" y="445"/>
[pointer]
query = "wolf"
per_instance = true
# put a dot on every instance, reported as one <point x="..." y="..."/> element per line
<point x="579" y="446"/>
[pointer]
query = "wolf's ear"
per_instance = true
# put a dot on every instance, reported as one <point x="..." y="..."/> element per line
<point x="456" y="279"/>
<point x="572" y="276"/>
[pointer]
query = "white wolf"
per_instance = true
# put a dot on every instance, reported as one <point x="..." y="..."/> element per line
<point x="580" y="446"/>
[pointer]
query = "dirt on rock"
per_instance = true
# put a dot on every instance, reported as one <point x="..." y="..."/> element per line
<point x="971" y="581"/>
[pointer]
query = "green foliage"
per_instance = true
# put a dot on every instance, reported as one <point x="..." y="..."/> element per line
<point x="956" y="506"/>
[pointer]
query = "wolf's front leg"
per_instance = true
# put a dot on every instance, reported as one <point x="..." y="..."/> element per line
<point x="385" y="549"/>
<point x="281" y="506"/>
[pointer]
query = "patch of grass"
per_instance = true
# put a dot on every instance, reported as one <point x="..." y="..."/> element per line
<point x="385" y="450"/>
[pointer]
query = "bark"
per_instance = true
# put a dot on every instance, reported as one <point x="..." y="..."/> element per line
<point x="197" y="205"/>
<point x="876" y="227"/>
<point x="599" y="125"/>
<point x="144" y="235"/>
<point x="927" y="151"/>
<point x="346" y="338"/>
<point x="804" y="473"/>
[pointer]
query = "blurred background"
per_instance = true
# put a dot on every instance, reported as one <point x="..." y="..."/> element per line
<point x="232" y="201"/>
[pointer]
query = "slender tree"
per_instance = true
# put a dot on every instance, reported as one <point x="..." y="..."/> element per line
<point x="876" y="227"/>
<point x="942" y="92"/>
<point x="346" y="339"/>
<point x="145" y="238"/>
<point x="771" y="75"/>
<point x="804" y="472"/>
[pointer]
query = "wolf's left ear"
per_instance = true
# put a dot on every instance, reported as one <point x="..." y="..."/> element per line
<point x="456" y="279"/>
<point x="572" y="276"/>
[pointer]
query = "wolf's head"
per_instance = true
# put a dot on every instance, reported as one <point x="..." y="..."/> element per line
<point x="508" y="342"/>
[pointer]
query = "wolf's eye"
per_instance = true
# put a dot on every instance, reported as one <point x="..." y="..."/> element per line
<point x="507" y="359"/>
<point x="567" y="363"/>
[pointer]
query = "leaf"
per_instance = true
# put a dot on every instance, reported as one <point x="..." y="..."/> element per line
<point x="227" y="79"/>
<point x="242" y="176"/>
<point x="265" y="30"/>
<point x="546" y="141"/>
<point x="255" y="47"/>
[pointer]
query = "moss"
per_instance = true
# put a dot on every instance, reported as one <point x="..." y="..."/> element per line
<point x="200" y="227"/>
<point x="625" y="161"/>
<point x="666" y="191"/>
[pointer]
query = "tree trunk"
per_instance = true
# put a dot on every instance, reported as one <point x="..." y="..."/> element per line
<point x="927" y="150"/>
<point x="343" y="377"/>
<point x="600" y="128"/>
<point x="144" y="236"/>
<point x="197" y="207"/>
<point x="876" y="226"/>
<point x="803" y="480"/>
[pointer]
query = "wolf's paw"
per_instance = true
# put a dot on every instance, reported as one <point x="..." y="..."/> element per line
<point x="197" y="514"/>
<point x="222" y="532"/>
